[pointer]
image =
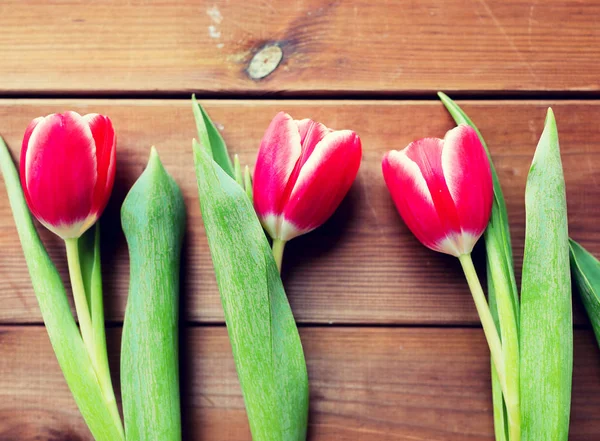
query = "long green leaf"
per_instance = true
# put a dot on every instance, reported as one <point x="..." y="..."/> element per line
<point x="546" y="315"/>
<point x="87" y="259"/>
<point x="209" y="137"/>
<point x="64" y="334"/>
<point x="500" y="416"/>
<point x="264" y="337"/>
<point x="153" y="218"/>
<point x="585" y="269"/>
<point x="502" y="293"/>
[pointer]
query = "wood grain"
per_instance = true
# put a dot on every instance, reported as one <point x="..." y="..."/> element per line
<point x="329" y="46"/>
<point x="363" y="266"/>
<point x="366" y="383"/>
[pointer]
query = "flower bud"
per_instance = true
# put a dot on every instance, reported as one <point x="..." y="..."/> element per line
<point x="302" y="173"/>
<point x="442" y="189"/>
<point x="67" y="170"/>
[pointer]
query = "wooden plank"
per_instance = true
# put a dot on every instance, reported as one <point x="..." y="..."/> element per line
<point x="366" y="383"/>
<point x="363" y="266"/>
<point x="328" y="46"/>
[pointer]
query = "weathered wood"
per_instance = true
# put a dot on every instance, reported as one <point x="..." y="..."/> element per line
<point x="366" y="383"/>
<point x="363" y="265"/>
<point x="327" y="46"/>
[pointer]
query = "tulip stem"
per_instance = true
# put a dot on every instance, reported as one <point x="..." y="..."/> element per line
<point x="95" y="344"/>
<point x="485" y="316"/>
<point x="80" y="298"/>
<point x="278" y="247"/>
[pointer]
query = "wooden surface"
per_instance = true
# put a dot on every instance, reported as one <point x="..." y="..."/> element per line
<point x="328" y="45"/>
<point x="366" y="384"/>
<point x="392" y="340"/>
<point x="363" y="266"/>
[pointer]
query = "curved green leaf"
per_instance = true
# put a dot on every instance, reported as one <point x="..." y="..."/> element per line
<point x="546" y="313"/>
<point x="585" y="270"/>
<point x="153" y="219"/>
<point x="264" y="337"/>
<point x="210" y="138"/>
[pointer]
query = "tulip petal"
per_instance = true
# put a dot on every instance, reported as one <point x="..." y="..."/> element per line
<point x="60" y="175"/>
<point x="413" y="200"/>
<point x="311" y="132"/>
<point x="427" y="154"/>
<point x="469" y="179"/>
<point x="322" y="183"/>
<point x="279" y="152"/>
<point x="105" y="140"/>
<point x="22" y="165"/>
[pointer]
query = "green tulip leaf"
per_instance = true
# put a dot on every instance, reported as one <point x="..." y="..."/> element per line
<point x="210" y="138"/>
<point x="500" y="412"/>
<point x="97" y="407"/>
<point x="153" y="219"/>
<point x="546" y="312"/>
<point x="87" y="261"/>
<point x="91" y="271"/>
<point x="264" y="338"/>
<point x="585" y="270"/>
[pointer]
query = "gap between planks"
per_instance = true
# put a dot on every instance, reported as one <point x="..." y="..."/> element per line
<point x="365" y="95"/>
<point x="365" y="325"/>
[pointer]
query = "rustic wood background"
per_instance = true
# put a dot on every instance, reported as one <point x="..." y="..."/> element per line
<point x="392" y="340"/>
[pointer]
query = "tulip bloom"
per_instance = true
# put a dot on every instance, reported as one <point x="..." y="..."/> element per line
<point x="302" y="173"/>
<point x="67" y="170"/>
<point x="443" y="190"/>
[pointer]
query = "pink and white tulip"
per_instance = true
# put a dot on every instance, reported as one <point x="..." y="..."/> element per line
<point x="442" y="189"/>
<point x="302" y="173"/>
<point x="67" y="170"/>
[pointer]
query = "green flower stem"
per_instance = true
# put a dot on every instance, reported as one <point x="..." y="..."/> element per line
<point x="93" y="338"/>
<point x="485" y="316"/>
<point x="81" y="303"/>
<point x="278" y="247"/>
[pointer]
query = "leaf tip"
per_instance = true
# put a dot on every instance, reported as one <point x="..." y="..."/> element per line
<point x="195" y="145"/>
<point x="237" y="170"/>
<point x="550" y="119"/>
<point x="154" y="159"/>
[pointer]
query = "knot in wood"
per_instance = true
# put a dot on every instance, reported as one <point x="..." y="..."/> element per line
<point x="265" y="61"/>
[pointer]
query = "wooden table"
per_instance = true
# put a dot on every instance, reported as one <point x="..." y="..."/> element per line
<point x="392" y="340"/>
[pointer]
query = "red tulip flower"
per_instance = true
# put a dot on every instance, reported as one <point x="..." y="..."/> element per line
<point x="68" y="170"/>
<point x="442" y="189"/>
<point x="302" y="173"/>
